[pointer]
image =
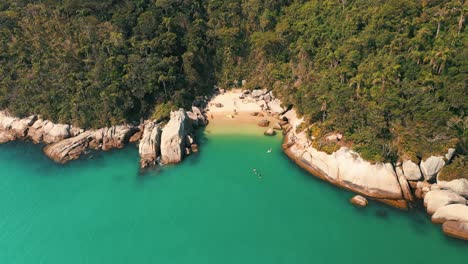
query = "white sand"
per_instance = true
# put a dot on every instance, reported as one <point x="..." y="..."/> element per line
<point x="231" y="102"/>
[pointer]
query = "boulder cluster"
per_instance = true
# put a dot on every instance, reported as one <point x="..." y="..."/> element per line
<point x="167" y="143"/>
<point x="400" y="185"/>
<point x="264" y="99"/>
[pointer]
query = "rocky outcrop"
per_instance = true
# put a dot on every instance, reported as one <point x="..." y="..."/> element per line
<point x="405" y="188"/>
<point x="431" y="166"/>
<point x="69" y="149"/>
<point x="48" y="132"/>
<point x="435" y="199"/>
<point x="345" y="168"/>
<point x="450" y="154"/>
<point x="359" y="201"/>
<point x="149" y="147"/>
<point x="411" y="170"/>
<point x="174" y="137"/>
<point x="258" y="92"/>
<point x="12" y="128"/>
<point x="451" y="212"/>
<point x="459" y="186"/>
<point x="112" y="137"/>
<point x="101" y="139"/>
<point x="197" y="117"/>
<point x="456" y="229"/>
<point x="67" y="143"/>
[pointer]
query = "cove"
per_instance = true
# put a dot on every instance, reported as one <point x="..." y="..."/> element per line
<point x="212" y="208"/>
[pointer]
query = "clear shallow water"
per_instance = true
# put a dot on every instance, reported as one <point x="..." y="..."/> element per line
<point x="210" y="209"/>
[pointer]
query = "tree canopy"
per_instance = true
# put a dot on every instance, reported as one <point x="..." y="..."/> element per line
<point x="391" y="75"/>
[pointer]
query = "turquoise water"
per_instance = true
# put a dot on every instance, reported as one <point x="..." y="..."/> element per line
<point x="210" y="209"/>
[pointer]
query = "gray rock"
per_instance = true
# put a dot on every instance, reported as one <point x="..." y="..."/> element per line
<point x="456" y="229"/>
<point x="55" y="132"/>
<point x="459" y="186"/>
<point x="112" y="137"/>
<point x="449" y="155"/>
<point x="68" y="149"/>
<point x="173" y="138"/>
<point x="411" y="170"/>
<point x="451" y="212"/>
<point x="405" y="188"/>
<point x="359" y="201"/>
<point x="438" y="198"/>
<point x="149" y="147"/>
<point x="258" y="92"/>
<point x="431" y="166"/>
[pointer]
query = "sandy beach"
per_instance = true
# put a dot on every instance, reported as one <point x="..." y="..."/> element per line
<point x="235" y="111"/>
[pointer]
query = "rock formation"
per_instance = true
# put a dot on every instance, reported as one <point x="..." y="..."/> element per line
<point x="431" y="166"/>
<point x="411" y="170"/>
<point x="451" y="212"/>
<point x="359" y="201"/>
<point x="112" y="137"/>
<point x="69" y="149"/>
<point x="439" y="198"/>
<point x="345" y="168"/>
<point x="459" y="186"/>
<point x="456" y="229"/>
<point x="174" y="137"/>
<point x="149" y="147"/>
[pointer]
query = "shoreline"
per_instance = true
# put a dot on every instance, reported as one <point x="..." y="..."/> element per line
<point x="399" y="204"/>
<point x="231" y="113"/>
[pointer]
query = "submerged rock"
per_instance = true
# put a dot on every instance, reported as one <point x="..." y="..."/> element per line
<point x="173" y="138"/>
<point x="149" y="148"/>
<point x="359" y="201"/>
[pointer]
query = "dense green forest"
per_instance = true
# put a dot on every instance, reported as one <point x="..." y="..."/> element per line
<point x="391" y="75"/>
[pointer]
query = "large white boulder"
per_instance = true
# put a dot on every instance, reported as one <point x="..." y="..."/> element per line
<point x="377" y="180"/>
<point x="55" y="132"/>
<point x="258" y="92"/>
<point x="149" y="147"/>
<point x="411" y="170"/>
<point x="275" y="106"/>
<point x="451" y="212"/>
<point x="459" y="186"/>
<point x="439" y="198"/>
<point x="431" y="166"/>
<point x="173" y="138"/>
<point x="68" y="149"/>
<point x="112" y="137"/>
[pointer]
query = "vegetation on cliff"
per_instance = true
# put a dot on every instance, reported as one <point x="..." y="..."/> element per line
<point x="390" y="75"/>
